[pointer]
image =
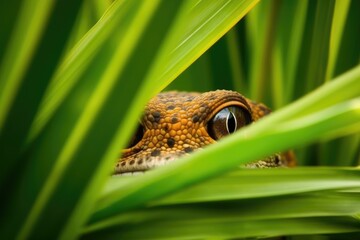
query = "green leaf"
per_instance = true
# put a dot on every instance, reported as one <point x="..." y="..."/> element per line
<point x="254" y="183"/>
<point x="338" y="22"/>
<point x="203" y="30"/>
<point x="23" y="78"/>
<point x="286" y="49"/>
<point x="319" y="51"/>
<point x="234" y="199"/>
<point x="230" y="228"/>
<point x="19" y="53"/>
<point x="25" y="81"/>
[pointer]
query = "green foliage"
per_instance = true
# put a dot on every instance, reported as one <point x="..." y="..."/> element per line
<point x="75" y="75"/>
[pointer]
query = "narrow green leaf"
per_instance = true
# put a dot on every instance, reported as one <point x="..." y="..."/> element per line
<point x="278" y="81"/>
<point x="26" y="91"/>
<point x="232" y="227"/>
<point x="78" y="60"/>
<point x="20" y="51"/>
<point x="349" y="51"/>
<point x="338" y="23"/>
<point x="90" y="14"/>
<point x="184" y="47"/>
<point x="8" y="12"/>
<point x="255" y="33"/>
<point x="24" y="40"/>
<point x="295" y="14"/>
<point x="286" y="49"/>
<point x="236" y="66"/>
<point x="318" y="56"/>
<point x="261" y="59"/>
<point x="340" y="152"/>
<point x="254" y="183"/>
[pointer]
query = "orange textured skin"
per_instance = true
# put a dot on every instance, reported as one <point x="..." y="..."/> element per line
<point x="175" y="124"/>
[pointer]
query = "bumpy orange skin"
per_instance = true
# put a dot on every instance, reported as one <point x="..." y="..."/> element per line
<point x="175" y="124"/>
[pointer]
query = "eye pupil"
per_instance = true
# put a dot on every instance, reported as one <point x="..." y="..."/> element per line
<point x="231" y="123"/>
<point x="227" y="121"/>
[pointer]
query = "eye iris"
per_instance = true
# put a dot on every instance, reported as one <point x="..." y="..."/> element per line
<point x="227" y="121"/>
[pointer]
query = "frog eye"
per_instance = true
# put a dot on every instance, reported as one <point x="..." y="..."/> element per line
<point x="227" y="121"/>
<point x="138" y="135"/>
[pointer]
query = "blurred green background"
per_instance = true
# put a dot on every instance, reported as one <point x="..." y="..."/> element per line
<point x="75" y="76"/>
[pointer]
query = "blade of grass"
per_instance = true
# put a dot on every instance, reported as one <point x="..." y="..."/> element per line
<point x="19" y="52"/>
<point x="25" y="38"/>
<point x="229" y="228"/>
<point x="27" y="96"/>
<point x="340" y="152"/>
<point x="262" y="40"/>
<point x="349" y="52"/>
<point x="291" y="21"/>
<point x="254" y="31"/>
<point x="200" y="34"/>
<point x="236" y="66"/>
<point x="90" y="14"/>
<point x="295" y="13"/>
<point x="77" y="61"/>
<point x="304" y="54"/>
<point x="350" y="150"/>
<point x="277" y="84"/>
<point x="338" y="23"/>
<point x="318" y="56"/>
<point x="8" y="12"/>
<point x="254" y="183"/>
